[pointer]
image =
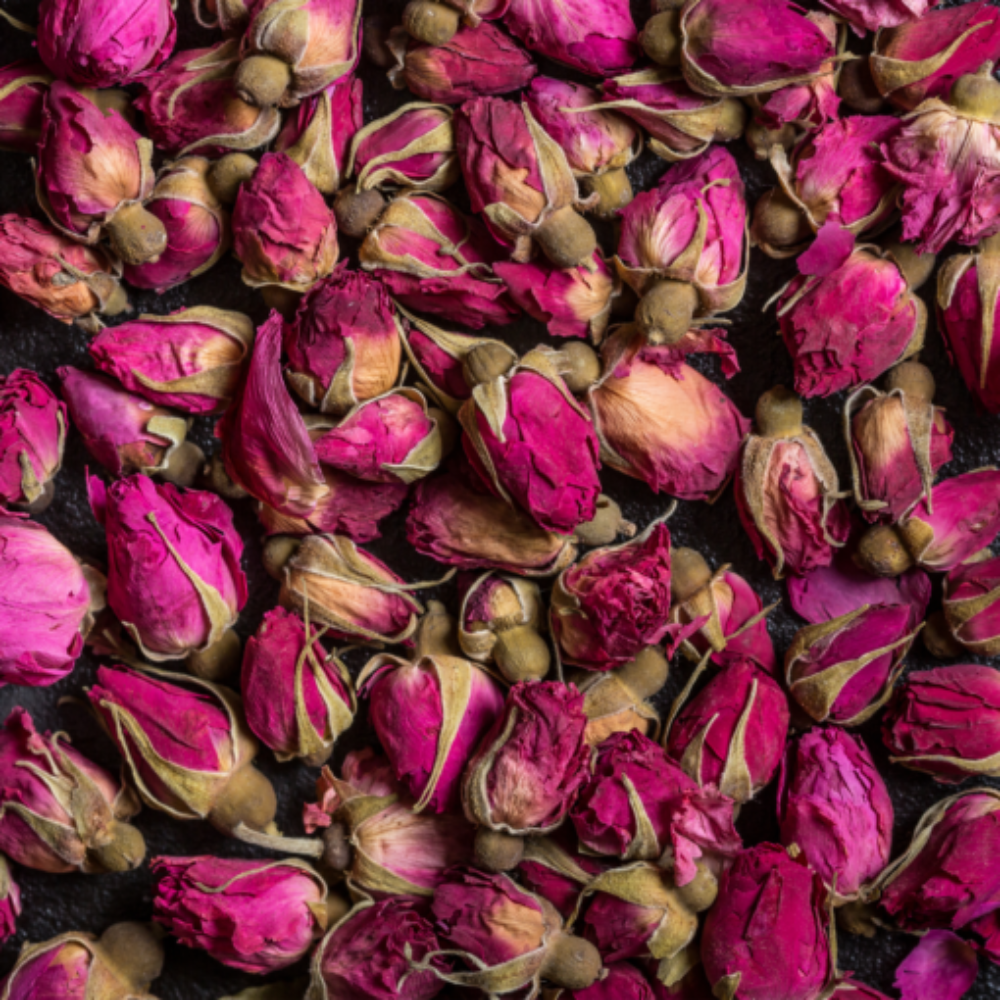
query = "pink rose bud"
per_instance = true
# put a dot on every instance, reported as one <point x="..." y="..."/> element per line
<point x="174" y="576"/>
<point x="473" y="63"/>
<point x="787" y="491"/>
<point x="258" y="916"/>
<point x="23" y="86"/>
<point x="924" y="57"/>
<point x="10" y="901"/>
<point x="430" y="713"/>
<point x="371" y="953"/>
<point x="970" y="606"/>
<point x="941" y="967"/>
<point x="190" y="105"/>
<point x="768" y="895"/>
<point x="298" y="701"/>
<point x="33" y="426"/>
<point x="190" y="360"/>
<point x="283" y="231"/>
<point x="317" y="134"/>
<point x="833" y="805"/>
<point x="555" y="869"/>
<point x="292" y="52"/>
<point x="59" y="812"/>
<point x="614" y="701"/>
<point x="843" y="671"/>
<point x="732" y="734"/>
<point x="959" y="518"/>
<point x="660" y="420"/>
<point x="945" y="879"/>
<point x="94" y="173"/>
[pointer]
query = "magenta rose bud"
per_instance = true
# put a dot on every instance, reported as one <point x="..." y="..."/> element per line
<point x="23" y="86"/>
<point x="970" y="607"/>
<point x="767" y="895"/>
<point x="732" y="734"/>
<point x="257" y="916"/>
<point x="298" y="702"/>
<point x="33" y="426"/>
<point x="833" y="805"/>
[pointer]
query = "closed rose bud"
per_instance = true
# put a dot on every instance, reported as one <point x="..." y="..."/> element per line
<point x="770" y="896"/>
<point x="970" y="606"/>
<point x="32" y="436"/>
<point x="298" y="700"/>
<point x="834" y="807"/>
<point x="787" y="491"/>
<point x="23" y="86"/>
<point x="10" y="901"/>
<point x="555" y="869"/>
<point x="256" y="916"/>
<point x="732" y="734"/>
<point x="430" y="712"/>
<point x="59" y="812"/>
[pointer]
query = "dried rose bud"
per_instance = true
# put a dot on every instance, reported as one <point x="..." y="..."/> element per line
<point x="787" y="491"/>
<point x="94" y="172"/>
<point x="174" y="576"/>
<point x="555" y="869"/>
<point x="436" y="260"/>
<point x="430" y="712"/>
<point x="258" y="916"/>
<point x="317" y="134"/>
<point x="660" y="420"/>
<point x="621" y="982"/>
<point x="732" y="734"/>
<point x="298" y="698"/>
<point x="33" y="426"/>
<point x="970" y="607"/>
<point x="10" y="901"/>
<point x="942" y="966"/>
<point x="960" y="517"/>
<point x="528" y="770"/>
<point x="436" y="21"/>
<point x="770" y="896"/>
<point x="834" y="807"/>
<point x="23" y="86"/>
<point x="190" y="360"/>
<point x="874" y="15"/>
<point x="60" y="811"/>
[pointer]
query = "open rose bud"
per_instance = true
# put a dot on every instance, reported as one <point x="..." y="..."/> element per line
<point x="96" y="185"/>
<point x="960" y="517"/>
<point x="59" y="812"/>
<point x="298" y="698"/>
<point x="834" y="807"/>
<point x="23" y="86"/>
<point x="732" y="734"/>
<point x="768" y="896"/>
<point x="258" y="916"/>
<point x="683" y="245"/>
<point x="660" y="420"/>
<point x="555" y="869"/>
<point x="787" y="491"/>
<point x="190" y="105"/>
<point x="434" y="259"/>
<point x="528" y="770"/>
<point x="33" y="426"/>
<point x="970" y="605"/>
<point x="430" y="712"/>
<point x="518" y="177"/>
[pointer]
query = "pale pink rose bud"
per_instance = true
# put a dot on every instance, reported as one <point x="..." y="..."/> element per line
<point x="33" y="424"/>
<point x="787" y="491"/>
<point x="60" y="811"/>
<point x="95" y="185"/>
<point x="970" y="607"/>
<point x="298" y="702"/>
<point x="732" y="734"/>
<point x="190" y="105"/>
<point x="258" y="916"/>
<point x="10" y="901"/>
<point x="104" y="46"/>
<point x="436" y="260"/>
<point x="23" y="86"/>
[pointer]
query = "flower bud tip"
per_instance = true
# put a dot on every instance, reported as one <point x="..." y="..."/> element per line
<point x="567" y="238"/>
<point x="262" y="80"/>
<point x="661" y="38"/>
<point x="882" y="552"/>
<point x="779" y="413"/>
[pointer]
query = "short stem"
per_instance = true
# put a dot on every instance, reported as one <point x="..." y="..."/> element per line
<point x="646" y="674"/>
<point x="123" y="851"/>
<point x="572" y="962"/>
<point x="262" y="80"/>
<point x="138" y="237"/>
<point x="134" y="951"/>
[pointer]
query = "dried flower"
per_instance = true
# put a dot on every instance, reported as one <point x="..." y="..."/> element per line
<point x="228" y="16"/>
<point x="23" y="86"/>
<point x="942" y="967"/>
<point x="621" y="982"/>
<point x="436" y="21"/>
<point x="874" y="15"/>
<point x="969" y="604"/>
<point x="10" y="901"/>
<point x="555" y="869"/>
<point x="298" y="698"/>
<point x="33" y="426"/>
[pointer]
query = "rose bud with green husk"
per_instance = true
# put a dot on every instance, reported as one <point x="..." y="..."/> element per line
<point x="501" y="621"/>
<point x="436" y="21"/>
<point x="787" y="491"/>
<point x="297" y="697"/>
<point x="553" y="867"/>
<point x="59" y="812"/>
<point x="834" y="807"/>
<point x="683" y="246"/>
<point x="970" y="605"/>
<point x="732" y="734"/>
<point x="293" y="49"/>
<point x="430" y="712"/>
<point x="898" y="441"/>
<point x="770" y="896"/>
<point x="96" y="186"/>
<point x="436" y="260"/>
<point x="960" y="517"/>
<point x="621" y="982"/>
<point x="33" y="425"/>
<point x="23" y="86"/>
<point x="527" y="772"/>
<point x="185" y="745"/>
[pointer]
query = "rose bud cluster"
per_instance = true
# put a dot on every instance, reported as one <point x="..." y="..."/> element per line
<point x="23" y="86"/>
<point x="970" y="605"/>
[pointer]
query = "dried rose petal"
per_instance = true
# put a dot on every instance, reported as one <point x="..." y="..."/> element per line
<point x="23" y="86"/>
<point x="941" y="967"/>
<point x="33" y="424"/>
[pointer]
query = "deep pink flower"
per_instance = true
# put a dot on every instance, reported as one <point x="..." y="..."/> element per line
<point x="875" y="14"/>
<point x="941" y="967"/>
<point x="24" y="85"/>
<point x="970" y="606"/>
<point x="33" y="426"/>
<point x="10" y="901"/>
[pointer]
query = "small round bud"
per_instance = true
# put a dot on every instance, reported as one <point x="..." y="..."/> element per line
<point x="700" y="893"/>
<point x="521" y="654"/>
<point x="661" y="38"/>
<point x="496" y="851"/>
<point x="437" y="633"/>
<point x="882" y="552"/>
<point x="248" y="798"/>
<point x="184" y="465"/>
<point x="613" y="189"/>
<point x="124" y="850"/>
<point x="646" y="674"/>
<point x="487" y="361"/>
<point x="938" y="639"/>
<point x="137" y="236"/>
<point x="977" y="94"/>
<point x="731" y="119"/>
<point x="358" y="211"/>
<point x="689" y="573"/>
<point x="278" y="549"/>
<point x="579" y="365"/>
<point x="228" y="174"/>
<point x="856" y="87"/>
<point x="567" y="238"/>
<point x="572" y="962"/>
<point x="134" y="951"/>
<point x="912" y="378"/>
<point x="430" y="22"/>
<point x="607" y="524"/>
<point x="915" y="267"/>
<point x="219" y="662"/>
<point x="779" y="413"/>
<point x="262" y="80"/>
<point x="778" y="222"/>
<point x="666" y="311"/>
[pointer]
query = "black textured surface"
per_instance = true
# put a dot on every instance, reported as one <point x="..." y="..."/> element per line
<point x="57" y="903"/>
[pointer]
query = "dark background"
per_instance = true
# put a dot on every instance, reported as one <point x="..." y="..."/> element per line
<point x="54" y="904"/>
